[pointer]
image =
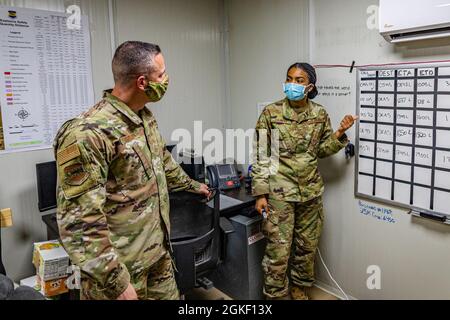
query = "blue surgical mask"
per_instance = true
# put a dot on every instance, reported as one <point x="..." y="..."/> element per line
<point x="294" y="91"/>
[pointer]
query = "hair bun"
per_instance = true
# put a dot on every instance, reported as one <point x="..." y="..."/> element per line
<point x="313" y="93"/>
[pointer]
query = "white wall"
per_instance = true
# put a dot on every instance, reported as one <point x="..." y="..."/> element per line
<point x="266" y="37"/>
<point x="413" y="254"/>
<point x="17" y="171"/>
<point x="191" y="38"/>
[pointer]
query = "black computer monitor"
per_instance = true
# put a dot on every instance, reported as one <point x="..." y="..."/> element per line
<point x="46" y="184"/>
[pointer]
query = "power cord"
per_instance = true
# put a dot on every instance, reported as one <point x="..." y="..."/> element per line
<point x="331" y="277"/>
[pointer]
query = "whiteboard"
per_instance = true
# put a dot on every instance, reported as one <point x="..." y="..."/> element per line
<point x="403" y="136"/>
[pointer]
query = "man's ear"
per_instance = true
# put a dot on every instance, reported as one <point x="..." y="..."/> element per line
<point x="141" y="82"/>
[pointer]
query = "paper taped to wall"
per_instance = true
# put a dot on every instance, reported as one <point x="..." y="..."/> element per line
<point x="45" y="76"/>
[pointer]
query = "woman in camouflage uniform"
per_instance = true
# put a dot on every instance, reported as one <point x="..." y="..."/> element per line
<point x="292" y="197"/>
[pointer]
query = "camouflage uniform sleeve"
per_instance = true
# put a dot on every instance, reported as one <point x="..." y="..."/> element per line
<point x="177" y="179"/>
<point x="329" y="143"/>
<point x="82" y="161"/>
<point x="260" y="169"/>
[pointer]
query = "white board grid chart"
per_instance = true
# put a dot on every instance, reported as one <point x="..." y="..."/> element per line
<point x="404" y="136"/>
<point x="45" y="76"/>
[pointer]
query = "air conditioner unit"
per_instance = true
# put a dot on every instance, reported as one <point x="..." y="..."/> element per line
<point x="410" y="20"/>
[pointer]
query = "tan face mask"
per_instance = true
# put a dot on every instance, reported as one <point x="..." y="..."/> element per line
<point x="155" y="91"/>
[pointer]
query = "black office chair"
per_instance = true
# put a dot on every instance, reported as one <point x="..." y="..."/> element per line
<point x="195" y="239"/>
<point x="199" y="237"/>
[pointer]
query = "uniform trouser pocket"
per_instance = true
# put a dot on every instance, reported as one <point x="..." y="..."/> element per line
<point x="307" y="231"/>
<point x="278" y="229"/>
<point x="156" y="282"/>
<point x="161" y="284"/>
<point x="139" y="282"/>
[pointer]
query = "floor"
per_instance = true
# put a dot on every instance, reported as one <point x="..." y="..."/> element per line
<point x="214" y="294"/>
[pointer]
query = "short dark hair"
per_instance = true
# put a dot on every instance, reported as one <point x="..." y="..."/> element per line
<point x="133" y="58"/>
<point x="312" y="76"/>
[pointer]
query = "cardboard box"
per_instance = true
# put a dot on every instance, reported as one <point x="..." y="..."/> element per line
<point x="51" y="260"/>
<point x="52" y="288"/>
<point x="49" y="288"/>
<point x="5" y="218"/>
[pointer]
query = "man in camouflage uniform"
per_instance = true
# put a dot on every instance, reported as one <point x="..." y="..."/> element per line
<point x="292" y="197"/>
<point x="114" y="174"/>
